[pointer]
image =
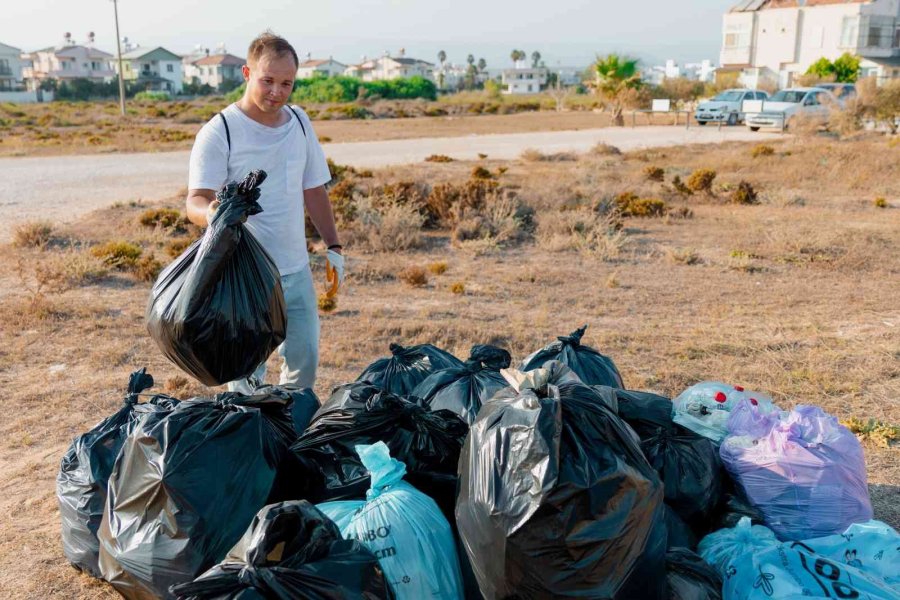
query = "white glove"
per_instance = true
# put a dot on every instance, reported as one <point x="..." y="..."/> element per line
<point x="211" y="211"/>
<point x="336" y="261"/>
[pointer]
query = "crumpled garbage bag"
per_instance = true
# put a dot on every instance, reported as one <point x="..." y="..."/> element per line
<point x="407" y="367"/>
<point x="589" y="365"/>
<point x="807" y="476"/>
<point x="217" y="311"/>
<point x="403" y="527"/>
<point x="303" y="401"/>
<point x="690" y="578"/>
<point x="464" y="389"/>
<point x="704" y="408"/>
<point x="291" y="551"/>
<point x="427" y="442"/>
<point x="185" y="488"/>
<point x="719" y="548"/>
<point x="85" y="469"/>
<point x="349" y="395"/>
<point x="687" y="463"/>
<point x="556" y="498"/>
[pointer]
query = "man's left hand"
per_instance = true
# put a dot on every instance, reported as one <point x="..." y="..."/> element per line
<point x="336" y="260"/>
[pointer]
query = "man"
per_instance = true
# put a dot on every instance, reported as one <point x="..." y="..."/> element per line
<point x="261" y="131"/>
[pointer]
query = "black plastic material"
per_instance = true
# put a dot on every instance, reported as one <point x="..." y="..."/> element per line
<point x="464" y="389"/>
<point x="348" y="395"/>
<point x="591" y="367"/>
<point x="690" y="577"/>
<point x="407" y="367"/>
<point x="85" y="469"/>
<point x="218" y="310"/>
<point x="557" y="500"/>
<point x="304" y="403"/>
<point x="291" y="551"/>
<point x="428" y="442"/>
<point x="688" y="463"/>
<point x="680" y="534"/>
<point x="185" y="488"/>
<point x="733" y="506"/>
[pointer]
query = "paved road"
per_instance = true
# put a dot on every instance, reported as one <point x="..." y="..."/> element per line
<point x="62" y="188"/>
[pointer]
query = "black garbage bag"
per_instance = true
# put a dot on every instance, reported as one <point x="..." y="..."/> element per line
<point x="348" y="395"/>
<point x="557" y="500"/>
<point x="407" y="367"/>
<point x="732" y="507"/>
<point x="690" y="577"/>
<point x="428" y="442"/>
<point x="304" y="403"/>
<point x="680" y="534"/>
<point x="85" y="468"/>
<point x="291" y="551"/>
<point x="218" y="310"/>
<point x="591" y="367"/>
<point x="464" y="389"/>
<point x="185" y="488"/>
<point x="688" y="463"/>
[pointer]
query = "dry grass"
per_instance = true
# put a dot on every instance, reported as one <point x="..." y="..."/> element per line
<point x="794" y="298"/>
<point x="35" y="234"/>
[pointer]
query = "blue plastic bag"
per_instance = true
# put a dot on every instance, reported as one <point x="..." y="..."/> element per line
<point x="403" y="527"/>
<point x="721" y="547"/>
<point x="793" y="571"/>
<point x="704" y="408"/>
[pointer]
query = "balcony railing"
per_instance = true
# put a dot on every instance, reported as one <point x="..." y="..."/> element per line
<point x="5" y="72"/>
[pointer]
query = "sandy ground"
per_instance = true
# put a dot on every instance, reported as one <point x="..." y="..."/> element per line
<point x="62" y="188"/>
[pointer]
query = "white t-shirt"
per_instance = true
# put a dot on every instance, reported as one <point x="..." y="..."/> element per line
<point x="292" y="163"/>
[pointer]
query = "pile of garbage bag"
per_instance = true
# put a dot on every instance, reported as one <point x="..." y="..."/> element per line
<point x="433" y="477"/>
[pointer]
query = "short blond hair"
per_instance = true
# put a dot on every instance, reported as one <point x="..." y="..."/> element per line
<point x="269" y="43"/>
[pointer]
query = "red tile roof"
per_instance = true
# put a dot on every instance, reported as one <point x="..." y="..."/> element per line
<point x="220" y="59"/>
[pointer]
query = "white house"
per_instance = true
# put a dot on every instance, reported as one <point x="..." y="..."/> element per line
<point x="702" y="71"/>
<point x="10" y="68"/>
<point x="775" y="41"/>
<point x="391" y="67"/>
<point x="154" y="69"/>
<point x="219" y="71"/>
<point x="322" y="67"/>
<point x="523" y="80"/>
<point x="66" y="62"/>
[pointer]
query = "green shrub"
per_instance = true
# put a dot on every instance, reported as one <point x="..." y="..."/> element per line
<point x="744" y="194"/>
<point x="118" y="253"/>
<point x="762" y="150"/>
<point x="168" y="218"/>
<point x="654" y="173"/>
<point x="153" y="96"/>
<point x="701" y="180"/>
<point x="881" y="203"/>
<point x="630" y="205"/>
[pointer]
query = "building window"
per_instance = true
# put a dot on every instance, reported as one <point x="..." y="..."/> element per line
<point x="849" y="32"/>
<point x="737" y="35"/>
<point x="170" y="68"/>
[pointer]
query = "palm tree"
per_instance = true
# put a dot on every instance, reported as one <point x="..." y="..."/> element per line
<point x="470" y="59"/>
<point x="617" y="80"/>
<point x="442" y="56"/>
<point x="535" y="58"/>
<point x="482" y="65"/>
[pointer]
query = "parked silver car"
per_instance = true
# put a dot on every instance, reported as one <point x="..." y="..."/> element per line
<point x="785" y="105"/>
<point x="726" y="106"/>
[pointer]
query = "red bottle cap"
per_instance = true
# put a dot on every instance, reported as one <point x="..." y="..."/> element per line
<point x="720" y="397"/>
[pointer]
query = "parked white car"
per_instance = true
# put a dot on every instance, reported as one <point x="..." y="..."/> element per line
<point x="726" y="106"/>
<point x="784" y="105"/>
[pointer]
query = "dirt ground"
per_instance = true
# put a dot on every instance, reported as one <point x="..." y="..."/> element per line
<point x="795" y="296"/>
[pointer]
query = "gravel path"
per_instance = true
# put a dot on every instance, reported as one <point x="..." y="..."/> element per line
<point x="62" y="188"/>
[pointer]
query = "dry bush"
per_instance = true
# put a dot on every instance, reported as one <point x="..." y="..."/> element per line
<point x="881" y="202"/>
<point x="502" y="220"/>
<point x="701" y="180"/>
<point x="387" y="227"/>
<point x="680" y="188"/>
<point x="458" y="287"/>
<point x="762" y="150"/>
<point x="683" y="256"/>
<point x="628" y="204"/>
<point x="438" y="268"/>
<point x="654" y="173"/>
<point x="414" y="275"/>
<point x="174" y="248"/>
<point x="343" y="200"/>
<point x="438" y="158"/>
<point x="327" y="303"/>
<point x="533" y="155"/>
<point x="586" y="231"/>
<point x="481" y="173"/>
<point x="744" y="194"/>
<point x="603" y="149"/>
<point x="147" y="268"/>
<point x="446" y="199"/>
<point x="118" y="254"/>
<point x="804" y="126"/>
<point x="34" y="234"/>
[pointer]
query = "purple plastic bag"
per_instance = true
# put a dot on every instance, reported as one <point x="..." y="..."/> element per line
<point x="807" y="475"/>
<point x="753" y="419"/>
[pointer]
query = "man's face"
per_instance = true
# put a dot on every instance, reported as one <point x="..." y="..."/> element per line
<point x="270" y="81"/>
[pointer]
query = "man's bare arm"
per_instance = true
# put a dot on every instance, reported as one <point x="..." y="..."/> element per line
<point x="197" y="204"/>
<point x="319" y="209"/>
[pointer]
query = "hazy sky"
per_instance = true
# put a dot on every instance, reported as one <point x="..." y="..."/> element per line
<point x="567" y="32"/>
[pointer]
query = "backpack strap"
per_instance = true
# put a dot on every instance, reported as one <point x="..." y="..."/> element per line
<point x="299" y="120"/>
<point x="227" y="131"/>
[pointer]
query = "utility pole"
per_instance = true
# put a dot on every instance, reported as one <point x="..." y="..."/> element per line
<point x="119" y="46"/>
